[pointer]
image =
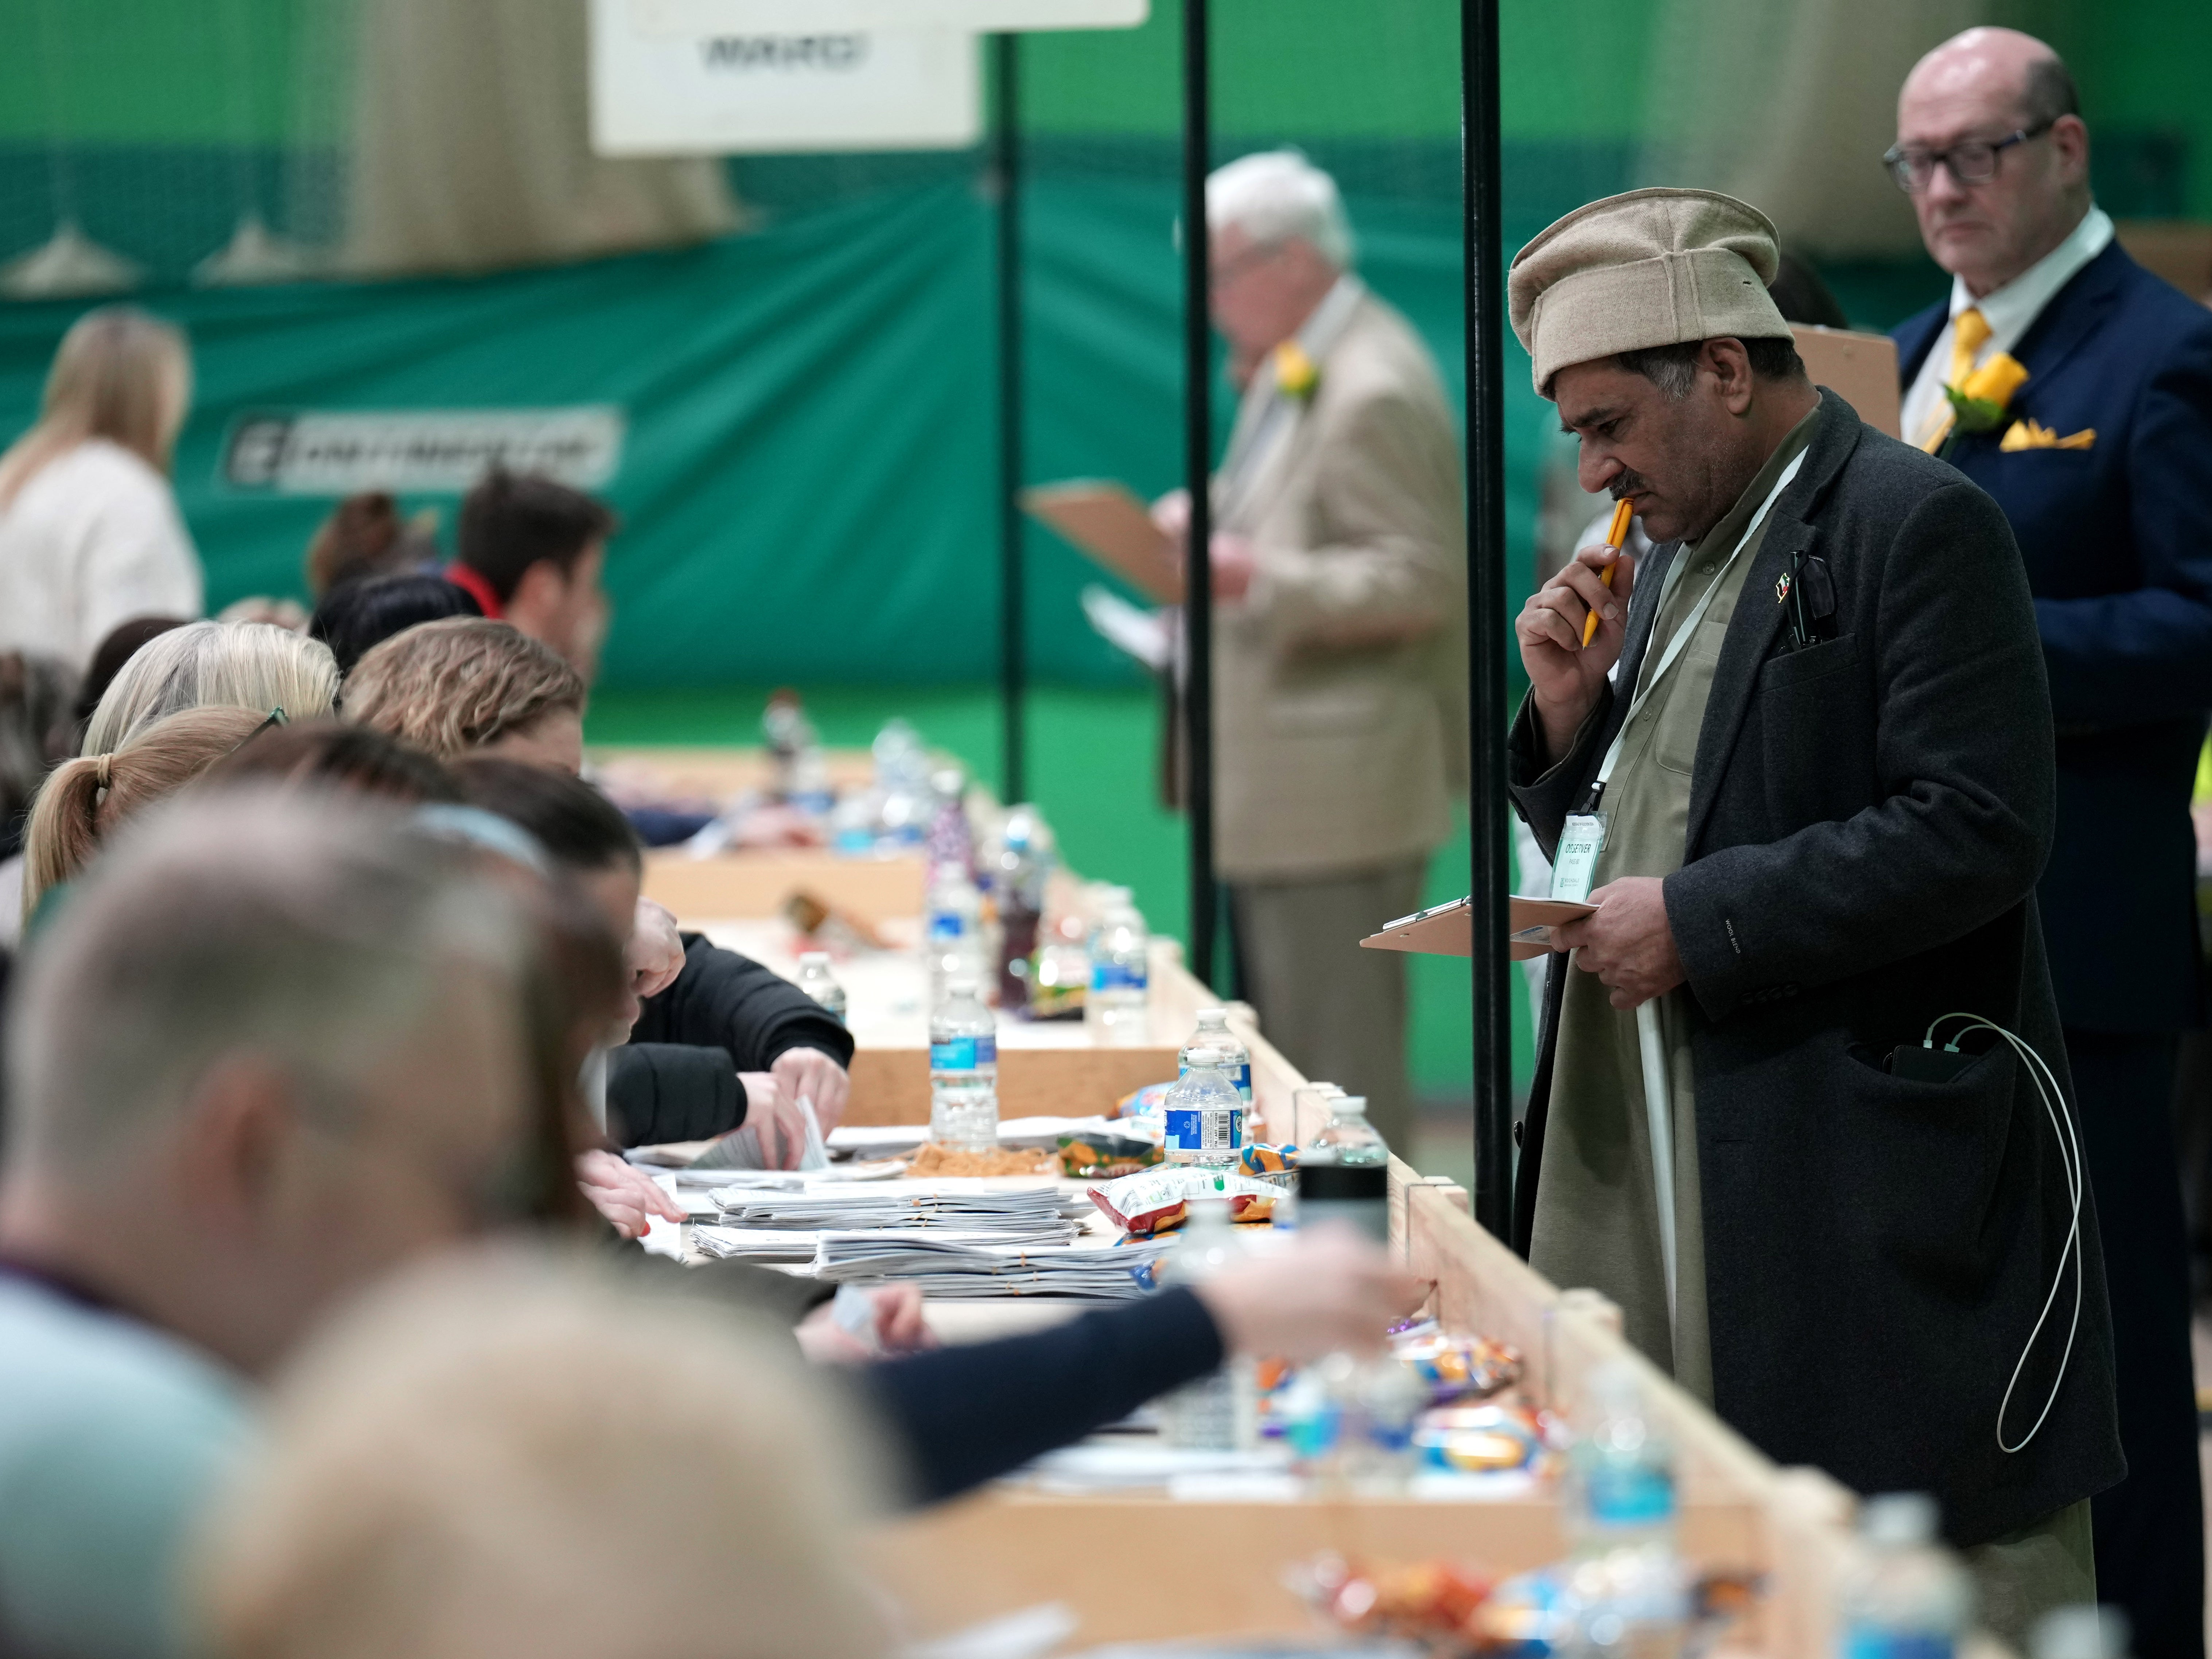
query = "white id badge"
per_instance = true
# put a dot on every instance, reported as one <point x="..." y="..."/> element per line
<point x="1580" y="843"/>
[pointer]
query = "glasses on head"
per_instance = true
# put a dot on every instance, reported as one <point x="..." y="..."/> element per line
<point x="1973" y="162"/>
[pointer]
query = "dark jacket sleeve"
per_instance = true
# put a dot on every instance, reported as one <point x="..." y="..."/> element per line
<point x="2120" y="659"/>
<point x="721" y="999"/>
<point x="968" y="1414"/>
<point x="1965" y="773"/>
<point x="1544" y="796"/>
<point x="662" y="1091"/>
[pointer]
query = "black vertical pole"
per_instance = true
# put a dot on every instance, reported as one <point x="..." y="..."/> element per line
<point x="1006" y="167"/>
<point x="1198" y="462"/>
<point x="1485" y="616"/>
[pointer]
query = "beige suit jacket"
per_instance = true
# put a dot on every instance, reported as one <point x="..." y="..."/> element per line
<point x="1341" y="679"/>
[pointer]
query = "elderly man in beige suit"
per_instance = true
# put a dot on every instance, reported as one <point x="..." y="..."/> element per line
<point x="1340" y="641"/>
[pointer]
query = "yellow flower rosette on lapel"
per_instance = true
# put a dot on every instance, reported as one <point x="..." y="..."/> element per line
<point x="1297" y="374"/>
<point x="1979" y="403"/>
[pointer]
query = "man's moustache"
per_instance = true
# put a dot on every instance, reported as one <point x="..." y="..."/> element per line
<point x="1628" y="483"/>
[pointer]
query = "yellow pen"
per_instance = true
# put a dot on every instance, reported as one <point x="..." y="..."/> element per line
<point x="1622" y="511"/>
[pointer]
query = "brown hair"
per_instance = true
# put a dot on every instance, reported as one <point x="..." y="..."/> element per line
<point x="451" y="686"/>
<point x="118" y="374"/>
<point x="335" y="754"/>
<point x="364" y="536"/>
<point x="83" y="800"/>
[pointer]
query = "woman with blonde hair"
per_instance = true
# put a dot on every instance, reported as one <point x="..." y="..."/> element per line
<point x="89" y="532"/>
<point x="469" y="685"/>
<point x="214" y="665"/>
<point x="84" y="799"/>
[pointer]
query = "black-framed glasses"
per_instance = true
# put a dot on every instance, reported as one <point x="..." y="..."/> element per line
<point x="1973" y="162"/>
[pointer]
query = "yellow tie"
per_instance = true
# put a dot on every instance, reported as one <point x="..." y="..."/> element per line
<point x="1969" y="333"/>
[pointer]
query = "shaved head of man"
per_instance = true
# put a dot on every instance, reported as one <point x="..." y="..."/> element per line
<point x="1991" y="146"/>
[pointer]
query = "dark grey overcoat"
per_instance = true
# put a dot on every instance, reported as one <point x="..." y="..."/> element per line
<point x="1868" y="815"/>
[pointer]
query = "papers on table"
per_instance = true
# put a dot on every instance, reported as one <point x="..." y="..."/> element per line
<point x="948" y="1265"/>
<point x="1025" y="1215"/>
<point x="701" y="1178"/>
<point x="890" y="1140"/>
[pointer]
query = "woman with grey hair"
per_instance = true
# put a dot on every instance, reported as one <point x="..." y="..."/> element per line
<point x="89" y="532"/>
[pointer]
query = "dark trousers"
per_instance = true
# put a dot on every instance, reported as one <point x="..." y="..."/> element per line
<point x="2150" y="1527"/>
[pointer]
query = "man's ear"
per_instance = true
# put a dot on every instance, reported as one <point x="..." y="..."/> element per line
<point x="543" y="589"/>
<point x="2069" y="141"/>
<point x="241" y="1127"/>
<point x="1729" y="365"/>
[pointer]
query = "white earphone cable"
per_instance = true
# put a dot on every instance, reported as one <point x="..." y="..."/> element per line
<point x="2069" y="1159"/>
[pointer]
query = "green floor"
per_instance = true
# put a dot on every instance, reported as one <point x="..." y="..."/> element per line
<point x="1091" y="763"/>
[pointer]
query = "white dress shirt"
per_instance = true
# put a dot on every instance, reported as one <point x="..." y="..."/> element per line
<point x="93" y="538"/>
<point x="2010" y="312"/>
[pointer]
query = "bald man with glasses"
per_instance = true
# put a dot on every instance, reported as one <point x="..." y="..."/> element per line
<point x="2101" y="456"/>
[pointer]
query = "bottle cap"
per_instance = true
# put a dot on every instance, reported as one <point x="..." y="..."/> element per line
<point x="814" y="958"/>
<point x="960" y="988"/>
<point x="1205" y="1057"/>
<point x="1344" y="1105"/>
<point x="1214" y="1017"/>
<point x="1898" y="1518"/>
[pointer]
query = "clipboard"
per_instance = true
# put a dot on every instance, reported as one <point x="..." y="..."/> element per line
<point x="1860" y="368"/>
<point x="1448" y="930"/>
<point x="1114" y="528"/>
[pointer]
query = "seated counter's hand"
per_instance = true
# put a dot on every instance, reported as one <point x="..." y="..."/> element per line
<point x="809" y="1074"/>
<point x="1564" y="678"/>
<point x="627" y="1196"/>
<point x="655" y="953"/>
<point x="900" y="1329"/>
<point x="1629" y="944"/>
<point x="772" y="1114"/>
<point x="1331" y="1291"/>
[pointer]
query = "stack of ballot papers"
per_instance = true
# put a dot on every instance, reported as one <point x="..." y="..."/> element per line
<point x="1022" y="1215"/>
<point x="883" y="1140"/>
<point x="962" y="1266"/>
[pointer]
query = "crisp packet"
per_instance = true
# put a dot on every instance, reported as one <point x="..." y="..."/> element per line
<point x="1478" y="1439"/>
<point x="1147" y="1101"/>
<point x="1256" y="1159"/>
<point x="1156" y="1200"/>
<point x="1457" y="1367"/>
<point x="1102" y="1157"/>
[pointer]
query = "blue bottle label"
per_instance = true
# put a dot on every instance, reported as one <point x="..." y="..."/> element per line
<point x="1630" y="1494"/>
<point x="1118" y="977"/>
<point x="1876" y="1642"/>
<point x="1205" y="1129"/>
<point x="964" y="1054"/>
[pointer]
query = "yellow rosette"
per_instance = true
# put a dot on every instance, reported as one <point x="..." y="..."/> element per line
<point x="1297" y="374"/>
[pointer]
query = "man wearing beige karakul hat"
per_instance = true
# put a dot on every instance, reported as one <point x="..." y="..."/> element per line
<point x="1804" y="767"/>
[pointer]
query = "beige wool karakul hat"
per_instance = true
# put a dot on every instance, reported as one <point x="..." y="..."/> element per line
<point x="1653" y="267"/>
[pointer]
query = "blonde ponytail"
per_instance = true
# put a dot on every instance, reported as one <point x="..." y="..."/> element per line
<point x="82" y="800"/>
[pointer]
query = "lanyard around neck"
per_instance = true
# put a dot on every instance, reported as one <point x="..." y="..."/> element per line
<point x="1650" y="681"/>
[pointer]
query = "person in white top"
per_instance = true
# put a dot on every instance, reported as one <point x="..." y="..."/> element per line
<point x="89" y="532"/>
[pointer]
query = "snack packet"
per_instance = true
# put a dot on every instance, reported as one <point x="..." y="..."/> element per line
<point x="1157" y="1201"/>
<point x="1097" y="1157"/>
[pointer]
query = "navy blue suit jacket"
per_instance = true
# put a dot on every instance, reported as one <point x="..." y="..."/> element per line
<point x="2118" y="542"/>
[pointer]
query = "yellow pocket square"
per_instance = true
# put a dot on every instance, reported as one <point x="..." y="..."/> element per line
<point x="2032" y="434"/>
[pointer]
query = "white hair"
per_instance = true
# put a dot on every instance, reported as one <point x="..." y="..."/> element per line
<point x="1277" y="195"/>
<point x="214" y="665"/>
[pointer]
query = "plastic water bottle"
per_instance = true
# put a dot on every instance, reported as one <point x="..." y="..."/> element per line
<point x="1625" y="1589"/>
<point x="953" y="932"/>
<point x="950" y="844"/>
<point x="902" y="789"/>
<point x="1021" y="868"/>
<point x="1213" y="1033"/>
<point x="1220" y="1412"/>
<point x="963" y="1072"/>
<point x="1120" y="973"/>
<point x="1349" y="1138"/>
<point x="1204" y="1114"/>
<point x="816" y="981"/>
<point x="1905" y="1596"/>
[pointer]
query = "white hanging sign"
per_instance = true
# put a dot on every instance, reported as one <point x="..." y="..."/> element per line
<point x="815" y="88"/>
<point x="702" y="17"/>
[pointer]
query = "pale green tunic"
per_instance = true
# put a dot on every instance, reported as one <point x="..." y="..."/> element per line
<point x="1597" y="1215"/>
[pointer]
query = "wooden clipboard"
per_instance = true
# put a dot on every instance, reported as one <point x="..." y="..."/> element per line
<point x="1448" y="930"/>
<point x="1114" y="528"/>
<point x="1860" y="368"/>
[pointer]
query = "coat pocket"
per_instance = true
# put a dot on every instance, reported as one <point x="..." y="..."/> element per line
<point x="1810" y="662"/>
<point x="1931" y="1156"/>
